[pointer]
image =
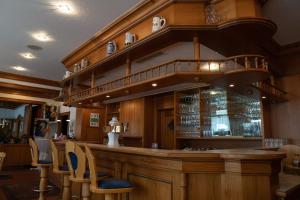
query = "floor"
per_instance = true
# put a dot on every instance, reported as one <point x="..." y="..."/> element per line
<point x="20" y="176"/>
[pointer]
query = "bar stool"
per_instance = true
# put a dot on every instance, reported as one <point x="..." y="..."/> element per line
<point x="76" y="160"/>
<point x="62" y="170"/>
<point x="2" y="157"/>
<point x="43" y="165"/>
<point x="109" y="187"/>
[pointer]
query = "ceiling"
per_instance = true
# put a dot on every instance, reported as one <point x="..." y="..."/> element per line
<point x="19" y="18"/>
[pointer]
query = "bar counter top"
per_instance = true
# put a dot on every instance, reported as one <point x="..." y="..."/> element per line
<point x="228" y="153"/>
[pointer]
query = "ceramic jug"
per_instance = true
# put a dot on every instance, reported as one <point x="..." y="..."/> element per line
<point x="129" y="38"/>
<point x="158" y="23"/>
<point x="111" y="47"/>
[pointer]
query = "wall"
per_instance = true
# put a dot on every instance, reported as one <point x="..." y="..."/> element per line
<point x="285" y="117"/>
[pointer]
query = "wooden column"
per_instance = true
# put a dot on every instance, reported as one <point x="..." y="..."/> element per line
<point x="93" y="80"/>
<point x="128" y="70"/>
<point x="197" y="49"/>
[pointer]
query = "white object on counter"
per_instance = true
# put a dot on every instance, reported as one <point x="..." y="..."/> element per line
<point x="113" y="139"/>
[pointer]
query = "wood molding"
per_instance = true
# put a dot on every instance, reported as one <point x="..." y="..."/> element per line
<point x="21" y="101"/>
<point x="29" y="79"/>
<point x="11" y="88"/>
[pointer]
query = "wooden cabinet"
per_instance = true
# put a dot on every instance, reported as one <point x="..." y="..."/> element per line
<point x="83" y="129"/>
<point x="17" y="155"/>
<point x="133" y="113"/>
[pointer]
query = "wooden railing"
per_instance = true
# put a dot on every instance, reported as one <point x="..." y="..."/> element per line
<point x="271" y="90"/>
<point x="242" y="62"/>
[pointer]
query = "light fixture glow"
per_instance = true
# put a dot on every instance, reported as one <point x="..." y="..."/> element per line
<point x="79" y="103"/>
<point x="27" y="55"/>
<point x="42" y="36"/>
<point x="68" y="120"/>
<point x="154" y="84"/>
<point x="107" y="96"/>
<point x="231" y="85"/>
<point x="64" y="7"/>
<point x="58" y="120"/>
<point x="19" y="68"/>
<point x="263" y="97"/>
<point x="213" y="92"/>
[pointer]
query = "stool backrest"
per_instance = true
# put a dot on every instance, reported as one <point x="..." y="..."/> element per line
<point x="34" y="152"/>
<point x="92" y="166"/>
<point x="76" y="160"/>
<point x="2" y="157"/>
<point x="55" y="158"/>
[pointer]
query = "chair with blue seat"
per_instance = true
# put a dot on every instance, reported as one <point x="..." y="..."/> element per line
<point x="110" y="187"/>
<point x="44" y="165"/>
<point x="76" y="160"/>
<point x="63" y="170"/>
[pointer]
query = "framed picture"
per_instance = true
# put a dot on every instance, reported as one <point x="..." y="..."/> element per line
<point x="94" y="119"/>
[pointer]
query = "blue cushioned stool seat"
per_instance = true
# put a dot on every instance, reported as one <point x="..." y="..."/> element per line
<point x="45" y="162"/>
<point x="114" y="184"/>
<point x="99" y="174"/>
<point x="64" y="168"/>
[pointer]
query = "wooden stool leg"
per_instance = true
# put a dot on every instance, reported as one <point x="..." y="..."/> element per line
<point x="66" y="188"/>
<point x="85" y="191"/>
<point x="110" y="196"/>
<point x="43" y="182"/>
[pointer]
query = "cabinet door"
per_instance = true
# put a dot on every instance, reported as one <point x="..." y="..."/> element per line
<point x="132" y="112"/>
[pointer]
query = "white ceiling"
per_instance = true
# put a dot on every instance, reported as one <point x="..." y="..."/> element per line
<point x="18" y="18"/>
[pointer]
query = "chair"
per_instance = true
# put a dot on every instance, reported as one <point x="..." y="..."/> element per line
<point x="43" y="165"/>
<point x="76" y="160"/>
<point x="109" y="187"/>
<point x="2" y="157"/>
<point x="63" y="170"/>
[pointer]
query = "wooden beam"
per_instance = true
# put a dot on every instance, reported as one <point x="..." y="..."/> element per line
<point x="11" y="88"/>
<point x="128" y="67"/>
<point x="29" y="79"/>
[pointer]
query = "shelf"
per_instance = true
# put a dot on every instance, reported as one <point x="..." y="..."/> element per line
<point x="218" y="138"/>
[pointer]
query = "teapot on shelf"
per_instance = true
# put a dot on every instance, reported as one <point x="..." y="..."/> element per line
<point x="158" y="23"/>
<point x="111" y="47"/>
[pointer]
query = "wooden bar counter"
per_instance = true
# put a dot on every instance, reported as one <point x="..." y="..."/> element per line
<point x="193" y="175"/>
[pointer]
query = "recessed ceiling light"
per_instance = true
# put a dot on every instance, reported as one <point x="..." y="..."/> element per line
<point x="264" y="97"/>
<point x="19" y="68"/>
<point x="42" y="36"/>
<point x="213" y="92"/>
<point x="107" y="96"/>
<point x="154" y="84"/>
<point x="65" y="7"/>
<point x="231" y="85"/>
<point x="27" y="55"/>
<point x="79" y="103"/>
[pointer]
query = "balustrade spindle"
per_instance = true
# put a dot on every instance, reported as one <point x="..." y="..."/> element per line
<point x="235" y="63"/>
<point x="246" y="63"/>
<point x="256" y="62"/>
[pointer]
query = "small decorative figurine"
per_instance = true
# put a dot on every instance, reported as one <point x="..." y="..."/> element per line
<point x="113" y="136"/>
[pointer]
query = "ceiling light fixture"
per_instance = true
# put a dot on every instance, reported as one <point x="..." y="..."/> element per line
<point x="107" y="96"/>
<point x="154" y="84"/>
<point x="65" y="7"/>
<point x="263" y="97"/>
<point x="79" y="103"/>
<point x="19" y="68"/>
<point x="27" y="55"/>
<point x="231" y="85"/>
<point x="42" y="36"/>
